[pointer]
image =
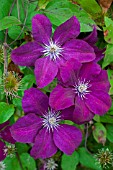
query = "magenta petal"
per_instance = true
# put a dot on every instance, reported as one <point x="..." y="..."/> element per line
<point x="3" y="125"/>
<point x="26" y="128"/>
<point x="67" y="114"/>
<point x="89" y="71"/>
<point x="45" y="71"/>
<point x="92" y="38"/>
<point x="41" y="28"/>
<point x="67" y="30"/>
<point x="67" y="71"/>
<point x="67" y="138"/>
<point x="78" y="49"/>
<point x="61" y="98"/>
<point x="26" y="54"/>
<point x="34" y="101"/>
<point x="6" y="135"/>
<point x="98" y="102"/>
<point x="2" y="156"/>
<point x="44" y="146"/>
<point x="81" y="113"/>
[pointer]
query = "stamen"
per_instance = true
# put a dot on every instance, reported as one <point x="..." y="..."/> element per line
<point x="53" y="50"/>
<point x="82" y="88"/>
<point x="51" y="120"/>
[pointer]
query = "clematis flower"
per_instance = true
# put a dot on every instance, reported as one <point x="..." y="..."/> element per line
<point x="92" y="39"/>
<point x="83" y="87"/>
<point x="48" y="53"/>
<point x="5" y="135"/>
<point x="42" y="127"/>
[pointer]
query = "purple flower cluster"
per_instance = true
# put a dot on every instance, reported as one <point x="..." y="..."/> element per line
<point x="81" y="92"/>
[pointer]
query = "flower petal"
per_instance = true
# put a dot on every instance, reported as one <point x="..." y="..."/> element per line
<point x="67" y="30"/>
<point x="34" y="101"/>
<point x="81" y="113"/>
<point x="26" y="54"/>
<point x="26" y="128"/>
<point x="41" y="28"/>
<point x="6" y="135"/>
<point x="3" y="125"/>
<point x="89" y="71"/>
<point x="67" y="138"/>
<point x="44" y="146"/>
<point x="67" y="71"/>
<point x="67" y="114"/>
<point x="78" y="49"/>
<point x="92" y="37"/>
<point x="2" y="156"/>
<point x="61" y="98"/>
<point x="98" y="102"/>
<point x="45" y="71"/>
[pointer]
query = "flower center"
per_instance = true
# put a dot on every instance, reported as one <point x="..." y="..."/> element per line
<point x="51" y="120"/>
<point x="53" y="50"/>
<point x="82" y="88"/>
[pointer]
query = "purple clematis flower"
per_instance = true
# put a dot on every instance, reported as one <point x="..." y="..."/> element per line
<point x="91" y="39"/>
<point x="83" y="87"/>
<point x="5" y="135"/>
<point x="41" y="126"/>
<point x="48" y="53"/>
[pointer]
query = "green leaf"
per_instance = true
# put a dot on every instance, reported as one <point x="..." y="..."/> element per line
<point x="87" y="159"/>
<point x="8" y="22"/>
<point x="108" y="56"/>
<point x="70" y="162"/>
<point x="92" y="7"/>
<point x="106" y="118"/>
<point x="22" y="147"/>
<point x="60" y="11"/>
<point x="99" y="133"/>
<point x="109" y="132"/>
<point x="110" y="76"/>
<point x="14" y="32"/>
<point x="28" y="81"/>
<point x="18" y="103"/>
<point x="6" y="111"/>
<point x="28" y="163"/>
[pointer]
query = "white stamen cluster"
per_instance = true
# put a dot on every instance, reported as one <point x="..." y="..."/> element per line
<point x="2" y="165"/>
<point x="10" y="150"/>
<point x="53" y="50"/>
<point x="81" y="88"/>
<point x="51" y="120"/>
<point x="51" y="165"/>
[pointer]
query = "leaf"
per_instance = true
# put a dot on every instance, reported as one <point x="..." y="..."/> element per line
<point x="59" y="11"/>
<point x="109" y="132"/>
<point x="108" y="56"/>
<point x="70" y="162"/>
<point x="18" y="103"/>
<point x="28" y="81"/>
<point x="87" y="159"/>
<point x="99" y="133"/>
<point x="5" y="7"/>
<point x="108" y="33"/>
<point x="14" y="32"/>
<point x="106" y="118"/>
<point x="110" y="76"/>
<point x="8" y="22"/>
<point x="6" y="111"/>
<point x="28" y="163"/>
<point x="22" y="147"/>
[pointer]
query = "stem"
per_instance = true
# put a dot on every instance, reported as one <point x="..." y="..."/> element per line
<point x="19" y="160"/>
<point x="86" y="137"/>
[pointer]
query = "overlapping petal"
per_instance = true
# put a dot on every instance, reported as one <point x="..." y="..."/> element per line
<point x="44" y="146"/>
<point x="67" y="138"/>
<point x="26" y="128"/>
<point x="68" y="30"/>
<point x="61" y="98"/>
<point x="34" y="101"/>
<point x="6" y="135"/>
<point x="27" y="54"/>
<point x="41" y="28"/>
<point x="45" y="71"/>
<point x="98" y="102"/>
<point x="78" y="49"/>
<point x="81" y="113"/>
